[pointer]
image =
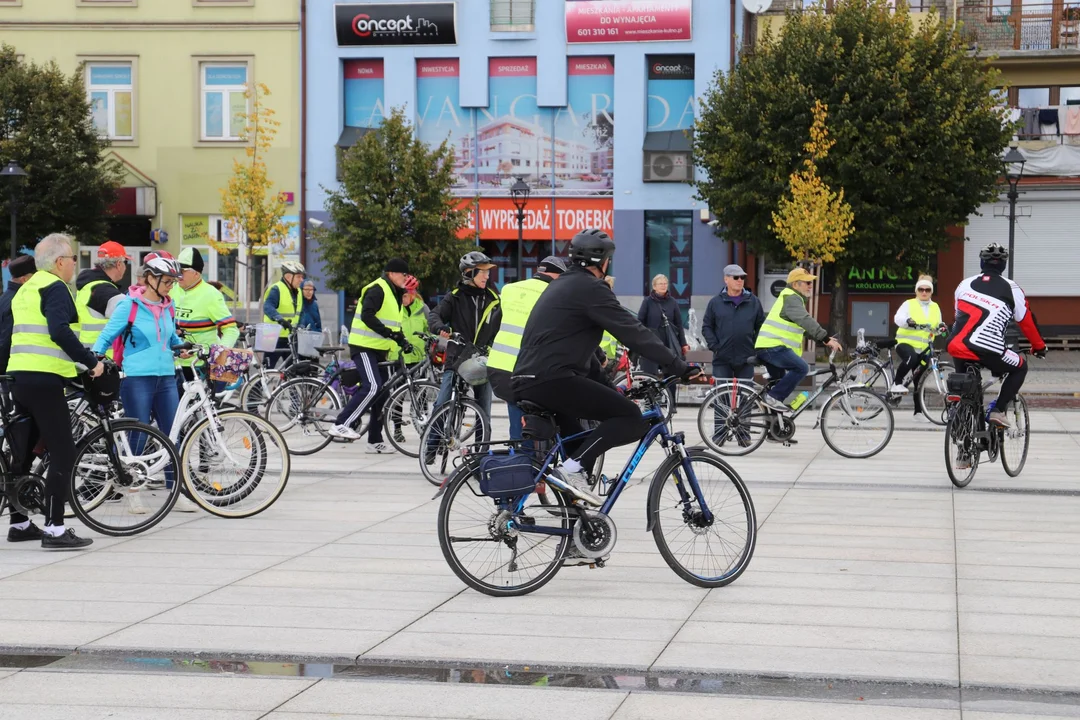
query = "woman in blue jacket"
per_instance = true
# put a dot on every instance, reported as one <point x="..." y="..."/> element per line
<point x="310" y="318"/>
<point x="149" y="386"/>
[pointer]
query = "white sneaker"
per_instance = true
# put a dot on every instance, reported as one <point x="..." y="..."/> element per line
<point x="376" y="448"/>
<point x="344" y="432"/>
<point x="777" y="405"/>
<point x="579" y="481"/>
<point x="898" y="389"/>
<point x="134" y="503"/>
<point x="184" y="505"/>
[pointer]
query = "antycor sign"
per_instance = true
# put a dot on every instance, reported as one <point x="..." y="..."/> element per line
<point x="380" y="24"/>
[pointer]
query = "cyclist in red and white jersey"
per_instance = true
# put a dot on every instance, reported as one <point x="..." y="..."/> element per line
<point x="985" y="305"/>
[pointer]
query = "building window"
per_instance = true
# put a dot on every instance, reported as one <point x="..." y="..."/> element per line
<point x="1070" y="95"/>
<point x="1033" y="97"/>
<point x="110" y="92"/>
<point x="669" y="251"/>
<point x="513" y="15"/>
<point x="224" y="100"/>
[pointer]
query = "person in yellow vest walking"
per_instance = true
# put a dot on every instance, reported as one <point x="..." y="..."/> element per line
<point x="98" y="290"/>
<point x="44" y="350"/>
<point x="376" y="329"/>
<point x="913" y="345"/>
<point x="780" y="340"/>
<point x="282" y="304"/>
<point x="518" y="300"/>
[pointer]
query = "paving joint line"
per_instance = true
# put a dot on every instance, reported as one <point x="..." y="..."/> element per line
<point x="289" y="699"/>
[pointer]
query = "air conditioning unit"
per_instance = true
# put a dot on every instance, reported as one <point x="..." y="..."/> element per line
<point x="673" y="167"/>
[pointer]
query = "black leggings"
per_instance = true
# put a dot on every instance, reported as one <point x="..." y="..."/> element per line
<point x="1011" y="365"/>
<point x="577" y="398"/>
<point x="910" y="359"/>
<point x="42" y="395"/>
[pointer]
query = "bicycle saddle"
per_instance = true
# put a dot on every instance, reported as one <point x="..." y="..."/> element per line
<point x="531" y="408"/>
<point x="327" y="349"/>
<point x="886" y="344"/>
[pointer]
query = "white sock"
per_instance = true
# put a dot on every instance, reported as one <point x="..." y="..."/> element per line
<point x="571" y="465"/>
<point x="54" y="530"/>
<point x="21" y="526"/>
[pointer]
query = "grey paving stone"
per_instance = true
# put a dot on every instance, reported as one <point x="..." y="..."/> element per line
<point x="597" y="627"/>
<point x="19" y="589"/>
<point x="806" y="615"/>
<point x="53" y="633"/>
<point x="354" y="581"/>
<point x="834" y="636"/>
<point x="644" y="706"/>
<point x="209" y="613"/>
<point x="91" y="611"/>
<point x="356" y="600"/>
<point x="1020" y="672"/>
<point x="112" y="712"/>
<point x="242" y="639"/>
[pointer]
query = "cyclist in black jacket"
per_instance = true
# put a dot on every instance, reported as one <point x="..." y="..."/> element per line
<point x="558" y="351"/>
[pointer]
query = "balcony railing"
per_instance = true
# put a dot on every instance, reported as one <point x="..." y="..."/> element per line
<point x="1001" y="26"/>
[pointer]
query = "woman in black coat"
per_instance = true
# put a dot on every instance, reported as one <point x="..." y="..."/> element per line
<point x="655" y="309"/>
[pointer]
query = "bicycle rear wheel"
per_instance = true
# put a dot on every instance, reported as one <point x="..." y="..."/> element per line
<point x="257" y="389"/>
<point x="870" y="374"/>
<point x="124" y="480"/>
<point x="235" y="464"/>
<point x="962" y="444"/>
<point x="407" y="411"/>
<point x="487" y="557"/>
<point x="447" y="436"/>
<point x="303" y="410"/>
<point x="933" y="393"/>
<point x="1014" y="440"/>
<point x="856" y="423"/>
<point x="714" y="552"/>
<point x="730" y="420"/>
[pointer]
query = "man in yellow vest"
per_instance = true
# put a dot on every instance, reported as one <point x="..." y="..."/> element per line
<point x="283" y="303"/>
<point x="913" y="344"/>
<point x="98" y="291"/>
<point x="201" y="311"/>
<point x="780" y="340"/>
<point x="376" y="328"/>
<point x="44" y="350"/>
<point x="518" y="300"/>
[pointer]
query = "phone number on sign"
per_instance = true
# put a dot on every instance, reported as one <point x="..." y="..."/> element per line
<point x="598" y="32"/>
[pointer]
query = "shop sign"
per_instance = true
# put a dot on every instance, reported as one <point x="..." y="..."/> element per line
<point x="545" y="219"/>
<point x="879" y="280"/>
<point x="593" y="21"/>
<point x="381" y="24"/>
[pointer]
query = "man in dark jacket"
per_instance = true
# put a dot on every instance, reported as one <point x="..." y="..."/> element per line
<point x="558" y="349"/>
<point x="21" y="269"/>
<point x="471" y="310"/>
<point x="731" y="325"/>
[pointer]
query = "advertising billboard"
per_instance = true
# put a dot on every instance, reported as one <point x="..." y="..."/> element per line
<point x="439" y="115"/>
<point x="382" y="24"/>
<point x="584" y="136"/>
<point x="364" y="93"/>
<point x="513" y="134"/>
<point x="670" y="88"/>
<point x="592" y="21"/>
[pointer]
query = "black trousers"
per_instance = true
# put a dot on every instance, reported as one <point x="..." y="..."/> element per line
<point x="42" y="395"/>
<point x="1011" y="365"/>
<point x="575" y="398"/>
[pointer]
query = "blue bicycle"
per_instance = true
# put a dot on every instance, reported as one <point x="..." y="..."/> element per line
<point x="501" y="542"/>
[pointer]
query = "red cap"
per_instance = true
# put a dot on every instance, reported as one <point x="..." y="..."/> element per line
<point x="111" y="249"/>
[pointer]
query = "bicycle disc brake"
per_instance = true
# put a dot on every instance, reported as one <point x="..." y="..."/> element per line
<point x="595" y="535"/>
<point x="28" y="495"/>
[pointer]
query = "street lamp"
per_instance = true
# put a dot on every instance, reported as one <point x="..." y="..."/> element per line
<point x="519" y="193"/>
<point x="1013" y="164"/>
<point x="12" y="172"/>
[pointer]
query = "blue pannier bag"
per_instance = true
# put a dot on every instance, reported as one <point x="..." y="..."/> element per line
<point x="507" y="476"/>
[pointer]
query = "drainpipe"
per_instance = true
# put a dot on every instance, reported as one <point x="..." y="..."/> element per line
<point x="734" y="35"/>
<point x="303" y="131"/>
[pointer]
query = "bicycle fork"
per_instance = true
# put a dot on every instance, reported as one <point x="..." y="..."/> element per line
<point x="689" y="489"/>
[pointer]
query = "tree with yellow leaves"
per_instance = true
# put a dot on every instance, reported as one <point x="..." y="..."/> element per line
<point x="252" y="209"/>
<point x="813" y="221"/>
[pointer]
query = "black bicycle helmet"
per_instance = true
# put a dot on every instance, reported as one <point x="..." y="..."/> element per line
<point x="994" y="251"/>
<point x="590" y="248"/>
<point x="472" y="261"/>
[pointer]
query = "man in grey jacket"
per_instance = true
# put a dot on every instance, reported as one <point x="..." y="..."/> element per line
<point x="780" y="340"/>
<point x="731" y="325"/>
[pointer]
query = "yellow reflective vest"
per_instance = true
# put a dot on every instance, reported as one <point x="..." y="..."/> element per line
<point x="285" y="306"/>
<point x="32" y="349"/>
<point x="778" y="332"/>
<point x="413" y="320"/>
<point x="919" y="339"/>
<point x="389" y="314"/>
<point x="517" y="301"/>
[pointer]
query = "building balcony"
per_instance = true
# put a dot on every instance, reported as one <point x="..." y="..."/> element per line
<point x="1020" y="27"/>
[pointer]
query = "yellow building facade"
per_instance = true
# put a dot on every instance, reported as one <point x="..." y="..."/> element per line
<point x="165" y="79"/>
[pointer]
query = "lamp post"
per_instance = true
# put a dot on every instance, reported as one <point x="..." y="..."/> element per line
<point x="12" y="172"/>
<point x="519" y="193"/>
<point x="1013" y="164"/>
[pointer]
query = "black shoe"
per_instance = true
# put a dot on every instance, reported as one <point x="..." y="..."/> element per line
<point x="33" y="532"/>
<point x="68" y="541"/>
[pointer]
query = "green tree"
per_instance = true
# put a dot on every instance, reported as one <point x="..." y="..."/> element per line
<point x="394" y="200"/>
<point x="45" y="126"/>
<point x="917" y="134"/>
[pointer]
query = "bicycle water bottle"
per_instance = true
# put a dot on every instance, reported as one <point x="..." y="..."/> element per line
<point x="862" y="338"/>
<point x="800" y="400"/>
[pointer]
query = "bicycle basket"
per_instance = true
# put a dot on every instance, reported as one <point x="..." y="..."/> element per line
<point x="506" y="476"/>
<point x="349" y="376"/>
<point x="962" y="384"/>
<point x="307" y="341"/>
<point x="228" y="364"/>
<point x="474" y="370"/>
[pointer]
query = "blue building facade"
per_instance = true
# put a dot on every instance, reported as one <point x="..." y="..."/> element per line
<point x="586" y="101"/>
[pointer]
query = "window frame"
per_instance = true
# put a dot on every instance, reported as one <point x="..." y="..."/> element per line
<point x="88" y="62"/>
<point x="10" y="3"/>
<point x="106" y="3"/>
<point x="222" y="3"/>
<point x="511" y="27"/>
<point x="201" y="63"/>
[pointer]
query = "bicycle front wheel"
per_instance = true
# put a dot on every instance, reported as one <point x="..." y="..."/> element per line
<point x="447" y="436"/>
<point x="730" y="420"/>
<point x="870" y="374"/>
<point x="236" y="464"/>
<point x="933" y="394"/>
<point x="856" y="423"/>
<point x="407" y="411"/>
<point x="124" y="479"/>
<point x="303" y="410"/>
<point x="707" y="542"/>
<point x="257" y="389"/>
<point x="1014" y="440"/>
<point x="962" y="449"/>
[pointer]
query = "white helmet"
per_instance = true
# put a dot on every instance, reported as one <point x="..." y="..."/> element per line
<point x="290" y="267"/>
<point x="162" y="264"/>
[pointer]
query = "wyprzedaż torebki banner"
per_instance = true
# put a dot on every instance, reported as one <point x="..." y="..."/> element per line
<point x="568" y="216"/>
<point x="592" y="21"/>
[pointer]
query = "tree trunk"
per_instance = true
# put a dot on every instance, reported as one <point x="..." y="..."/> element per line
<point x="838" y="314"/>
